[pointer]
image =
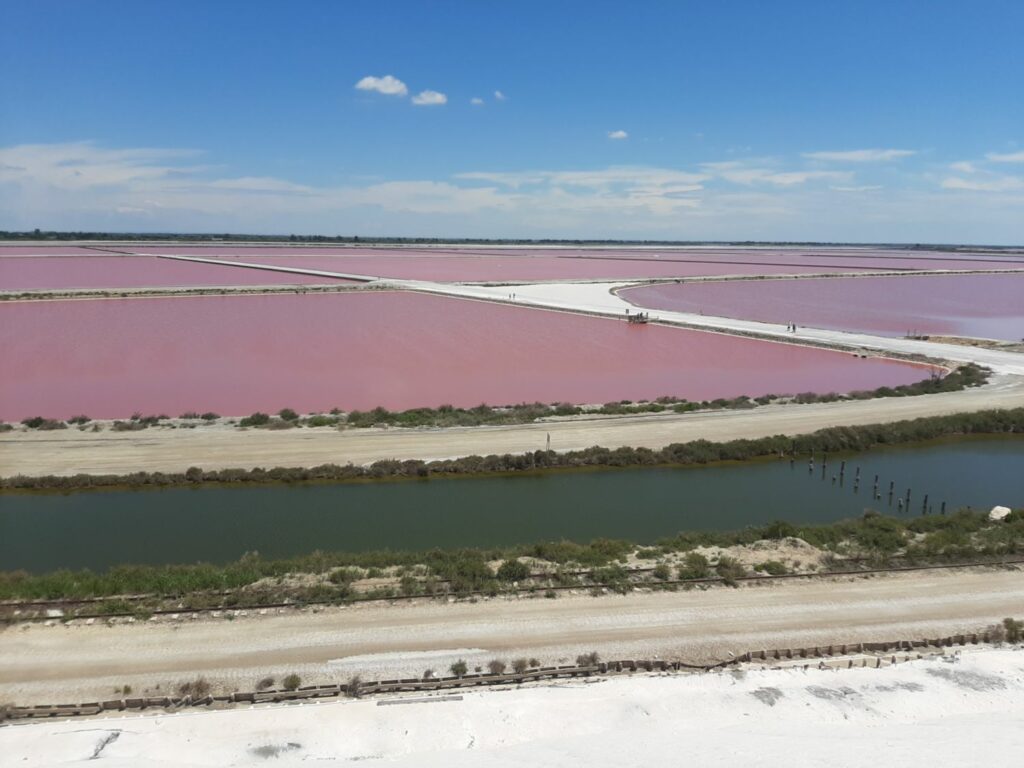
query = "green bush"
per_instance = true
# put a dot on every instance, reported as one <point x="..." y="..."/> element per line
<point x="1014" y="630"/>
<point x="291" y="682"/>
<point x="257" y="419"/>
<point x="695" y="566"/>
<point x="513" y="570"/>
<point x="772" y="568"/>
<point x="459" y="668"/>
<point x="287" y="414"/>
<point x="730" y="569"/>
<point x="662" y="572"/>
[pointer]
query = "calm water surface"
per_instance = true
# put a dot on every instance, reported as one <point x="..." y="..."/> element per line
<point x="97" y="530"/>
<point x="983" y="306"/>
<point x="241" y="353"/>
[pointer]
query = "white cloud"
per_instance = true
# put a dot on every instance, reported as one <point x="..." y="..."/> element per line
<point x="500" y="96"/>
<point x="963" y="167"/>
<point x="861" y="155"/>
<point x="388" y="85"/>
<point x="598" y="179"/>
<point x="862" y="188"/>
<point x="82" y="186"/>
<point x="259" y="184"/>
<point x="83" y="165"/>
<point x="618" y="135"/>
<point x="738" y="172"/>
<point x="1012" y="157"/>
<point x="476" y="101"/>
<point x="993" y="184"/>
<point x="429" y="98"/>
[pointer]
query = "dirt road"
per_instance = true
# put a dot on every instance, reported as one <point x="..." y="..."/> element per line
<point x="69" y="451"/>
<point x="39" y="663"/>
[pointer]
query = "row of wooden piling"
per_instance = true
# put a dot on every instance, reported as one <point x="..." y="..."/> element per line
<point x="357" y="689"/>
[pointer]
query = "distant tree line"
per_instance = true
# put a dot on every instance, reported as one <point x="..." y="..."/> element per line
<point x="206" y="237"/>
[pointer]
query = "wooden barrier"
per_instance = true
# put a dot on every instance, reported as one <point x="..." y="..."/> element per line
<point x="473" y="680"/>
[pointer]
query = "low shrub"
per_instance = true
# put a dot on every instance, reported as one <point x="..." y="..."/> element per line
<point x="291" y="682"/>
<point x="695" y="566"/>
<point x="197" y="688"/>
<point x="513" y="570"/>
<point x="257" y="419"/>
<point x="772" y="568"/>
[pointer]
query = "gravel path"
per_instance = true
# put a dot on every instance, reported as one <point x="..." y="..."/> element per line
<point x="69" y="451"/>
<point x="40" y="663"/>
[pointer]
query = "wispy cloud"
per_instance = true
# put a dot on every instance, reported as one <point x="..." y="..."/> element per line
<point x="986" y="184"/>
<point x="963" y="166"/>
<point x="500" y="96"/>
<point x="618" y="135"/>
<point x="476" y="101"/>
<point x="860" y="155"/>
<point x="1011" y="157"/>
<point x="85" y="186"/>
<point x="387" y="85"/>
<point x="740" y="172"/>
<point x="429" y="98"/>
<point x="82" y="165"/>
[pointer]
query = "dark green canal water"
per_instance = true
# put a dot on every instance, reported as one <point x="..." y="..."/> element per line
<point x="98" y="529"/>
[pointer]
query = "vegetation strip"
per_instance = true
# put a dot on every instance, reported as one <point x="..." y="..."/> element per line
<point x="965" y="376"/>
<point x="832" y="440"/>
<point x="874" y="540"/>
<point x="669" y="584"/>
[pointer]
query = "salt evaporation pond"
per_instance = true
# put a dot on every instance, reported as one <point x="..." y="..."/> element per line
<point x="95" y="529"/>
<point x="236" y="354"/>
<point x="983" y="306"/>
<point x="55" y="272"/>
<point x="478" y="264"/>
<point x="483" y="268"/>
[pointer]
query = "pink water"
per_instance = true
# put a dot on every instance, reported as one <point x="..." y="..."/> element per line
<point x="983" y="306"/>
<point x="237" y="354"/>
<point x="56" y="267"/>
<point x="58" y="271"/>
<point x="478" y="264"/>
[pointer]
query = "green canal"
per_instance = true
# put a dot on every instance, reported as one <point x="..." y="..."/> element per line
<point x="41" y="532"/>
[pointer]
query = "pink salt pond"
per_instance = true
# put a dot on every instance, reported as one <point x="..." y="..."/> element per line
<point x="241" y="353"/>
<point x="54" y="272"/>
<point x="982" y="306"/>
<point x="479" y="264"/>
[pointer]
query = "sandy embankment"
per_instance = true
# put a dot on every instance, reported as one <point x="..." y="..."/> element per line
<point x="70" y="451"/>
<point x="961" y="710"/>
<point x="82" y="662"/>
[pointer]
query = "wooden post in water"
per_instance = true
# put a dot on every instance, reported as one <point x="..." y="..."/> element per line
<point x="924" y="505"/>
<point x="943" y="510"/>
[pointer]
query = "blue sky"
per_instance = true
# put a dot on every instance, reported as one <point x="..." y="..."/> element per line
<point x="857" y="121"/>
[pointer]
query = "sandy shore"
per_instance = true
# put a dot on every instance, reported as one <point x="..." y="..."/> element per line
<point x="85" y="662"/>
<point x="70" y="451"/>
<point x="961" y="710"/>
